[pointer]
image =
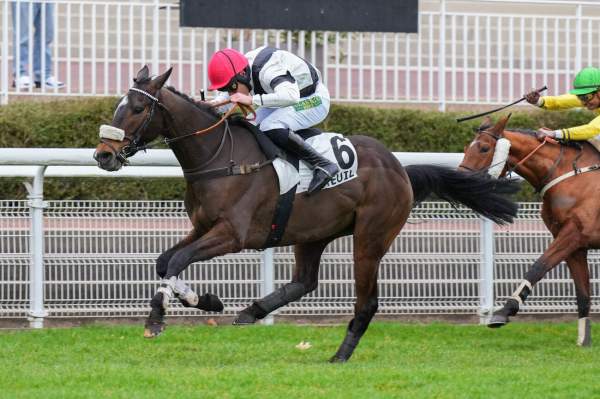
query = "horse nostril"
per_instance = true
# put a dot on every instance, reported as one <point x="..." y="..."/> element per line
<point x="103" y="156"/>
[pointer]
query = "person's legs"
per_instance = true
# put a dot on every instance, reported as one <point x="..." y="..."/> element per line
<point x="280" y="125"/>
<point x="20" y="20"/>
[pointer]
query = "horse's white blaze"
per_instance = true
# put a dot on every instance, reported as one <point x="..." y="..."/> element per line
<point x="121" y="104"/>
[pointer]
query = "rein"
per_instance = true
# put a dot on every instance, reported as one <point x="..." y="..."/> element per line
<point x="196" y="173"/>
<point x="545" y="187"/>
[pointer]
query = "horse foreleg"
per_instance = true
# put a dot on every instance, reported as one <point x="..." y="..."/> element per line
<point x="218" y="241"/>
<point x="568" y="240"/>
<point x="304" y="280"/>
<point x="578" y="266"/>
<point x="183" y="292"/>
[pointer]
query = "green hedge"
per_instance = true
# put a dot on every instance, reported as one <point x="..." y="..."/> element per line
<point x="74" y="124"/>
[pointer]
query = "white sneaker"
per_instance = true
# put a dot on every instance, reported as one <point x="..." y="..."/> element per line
<point x="52" y="83"/>
<point x="23" y="83"/>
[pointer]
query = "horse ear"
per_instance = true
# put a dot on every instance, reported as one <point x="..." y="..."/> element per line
<point x="160" y="80"/>
<point x="501" y="124"/>
<point x="142" y="74"/>
<point x="485" y="124"/>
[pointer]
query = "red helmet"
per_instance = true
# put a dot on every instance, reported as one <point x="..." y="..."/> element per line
<point x="226" y="67"/>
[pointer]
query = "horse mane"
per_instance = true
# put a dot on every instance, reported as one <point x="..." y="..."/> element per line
<point x="200" y="105"/>
<point x="529" y="132"/>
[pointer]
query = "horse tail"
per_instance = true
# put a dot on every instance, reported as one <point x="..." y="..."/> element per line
<point x="475" y="190"/>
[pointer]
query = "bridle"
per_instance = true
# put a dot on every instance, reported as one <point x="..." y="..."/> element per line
<point x="513" y="168"/>
<point x="134" y="143"/>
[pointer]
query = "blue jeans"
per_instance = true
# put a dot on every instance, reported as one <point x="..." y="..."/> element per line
<point x="21" y="38"/>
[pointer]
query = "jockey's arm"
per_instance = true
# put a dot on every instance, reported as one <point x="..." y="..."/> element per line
<point x="220" y="97"/>
<point x="285" y="88"/>
<point x="583" y="132"/>
<point x="554" y="103"/>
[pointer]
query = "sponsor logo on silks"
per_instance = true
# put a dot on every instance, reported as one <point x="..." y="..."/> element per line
<point x="308" y="103"/>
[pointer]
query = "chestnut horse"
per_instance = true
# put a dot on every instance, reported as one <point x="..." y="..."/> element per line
<point x="570" y="209"/>
<point x="231" y="213"/>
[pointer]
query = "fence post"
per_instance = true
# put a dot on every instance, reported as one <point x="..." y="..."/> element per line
<point x="486" y="285"/>
<point x="4" y="58"/>
<point x="442" y="58"/>
<point x="36" y="270"/>
<point x="155" y="37"/>
<point x="267" y="284"/>
<point x="578" y="34"/>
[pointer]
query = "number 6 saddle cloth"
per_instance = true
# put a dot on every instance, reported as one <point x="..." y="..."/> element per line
<point x="332" y="146"/>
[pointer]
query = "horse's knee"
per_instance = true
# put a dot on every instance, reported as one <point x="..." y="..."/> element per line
<point x="162" y="264"/>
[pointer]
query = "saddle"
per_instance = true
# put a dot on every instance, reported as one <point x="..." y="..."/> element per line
<point x="268" y="147"/>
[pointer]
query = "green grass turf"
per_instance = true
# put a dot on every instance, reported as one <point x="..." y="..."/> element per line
<point x="392" y="361"/>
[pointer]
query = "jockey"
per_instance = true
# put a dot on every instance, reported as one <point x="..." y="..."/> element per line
<point x="584" y="94"/>
<point x="288" y="94"/>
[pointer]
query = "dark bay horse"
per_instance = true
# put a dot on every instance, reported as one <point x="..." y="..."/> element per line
<point x="570" y="210"/>
<point x="231" y="213"/>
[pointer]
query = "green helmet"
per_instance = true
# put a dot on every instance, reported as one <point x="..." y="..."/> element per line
<point x="586" y="81"/>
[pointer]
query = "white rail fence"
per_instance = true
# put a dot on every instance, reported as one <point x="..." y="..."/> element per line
<point x="466" y="52"/>
<point x="96" y="258"/>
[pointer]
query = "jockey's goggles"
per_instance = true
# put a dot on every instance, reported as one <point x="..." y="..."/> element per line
<point x="584" y="98"/>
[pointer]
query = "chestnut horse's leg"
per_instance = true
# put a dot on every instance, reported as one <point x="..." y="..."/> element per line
<point x="216" y="242"/>
<point x="568" y="240"/>
<point x="304" y="280"/>
<point x="578" y="266"/>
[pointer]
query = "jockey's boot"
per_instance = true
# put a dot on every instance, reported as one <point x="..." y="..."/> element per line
<point x="324" y="169"/>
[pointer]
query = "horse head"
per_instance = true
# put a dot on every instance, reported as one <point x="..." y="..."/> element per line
<point x="139" y="118"/>
<point x="489" y="148"/>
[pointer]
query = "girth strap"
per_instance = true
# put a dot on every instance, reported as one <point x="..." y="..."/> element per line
<point x="231" y="170"/>
<point x="566" y="176"/>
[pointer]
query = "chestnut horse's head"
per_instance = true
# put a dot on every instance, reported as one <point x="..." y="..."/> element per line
<point x="139" y="118"/>
<point x="489" y="149"/>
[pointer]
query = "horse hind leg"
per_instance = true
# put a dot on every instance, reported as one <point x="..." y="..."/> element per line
<point x="578" y="266"/>
<point x="304" y="280"/>
<point x="373" y="235"/>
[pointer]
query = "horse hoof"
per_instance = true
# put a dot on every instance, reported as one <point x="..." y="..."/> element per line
<point x="497" y="321"/>
<point x="337" y="359"/>
<point x="244" y="318"/>
<point x="210" y="303"/>
<point x="153" y="330"/>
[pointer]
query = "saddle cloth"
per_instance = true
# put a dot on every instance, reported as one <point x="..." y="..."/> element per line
<point x="332" y="146"/>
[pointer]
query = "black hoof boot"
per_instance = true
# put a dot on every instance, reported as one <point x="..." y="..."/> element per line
<point x="207" y="302"/>
<point x="210" y="303"/>
<point x="321" y="177"/>
<point x="497" y="321"/>
<point x="249" y="315"/>
<point x="155" y="324"/>
<point x="501" y="317"/>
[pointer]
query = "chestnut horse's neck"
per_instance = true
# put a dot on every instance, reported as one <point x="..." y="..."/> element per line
<point x="542" y="163"/>
<point x="194" y="151"/>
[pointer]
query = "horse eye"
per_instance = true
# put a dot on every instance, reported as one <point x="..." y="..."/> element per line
<point x="137" y="109"/>
<point x="484" y="149"/>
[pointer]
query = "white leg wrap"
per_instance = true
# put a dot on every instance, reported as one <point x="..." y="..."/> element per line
<point x="167" y="291"/>
<point x="184" y="292"/>
<point x="584" y="331"/>
<point x="516" y="295"/>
